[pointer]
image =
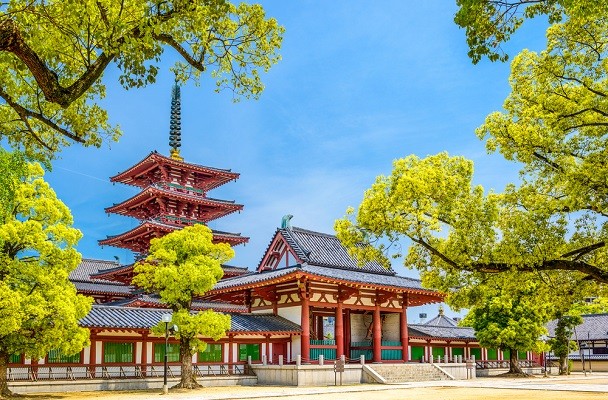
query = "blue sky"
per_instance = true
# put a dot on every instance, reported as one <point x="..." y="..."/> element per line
<point x="360" y="84"/>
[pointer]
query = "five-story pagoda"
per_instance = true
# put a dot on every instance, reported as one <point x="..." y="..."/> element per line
<point x="173" y="195"/>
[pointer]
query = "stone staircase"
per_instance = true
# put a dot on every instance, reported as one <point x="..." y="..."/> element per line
<point x="397" y="373"/>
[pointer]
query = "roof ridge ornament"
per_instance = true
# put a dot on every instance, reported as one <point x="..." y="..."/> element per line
<point x="285" y="221"/>
<point x="175" y="126"/>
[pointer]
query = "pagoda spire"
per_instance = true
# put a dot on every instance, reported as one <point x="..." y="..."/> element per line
<point x="175" y="132"/>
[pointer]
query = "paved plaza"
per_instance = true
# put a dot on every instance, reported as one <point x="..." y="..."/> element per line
<point x="576" y="386"/>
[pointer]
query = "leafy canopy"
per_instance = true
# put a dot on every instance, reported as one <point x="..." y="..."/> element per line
<point x="456" y="233"/>
<point x="51" y="76"/>
<point x="39" y="307"/>
<point x="490" y="23"/>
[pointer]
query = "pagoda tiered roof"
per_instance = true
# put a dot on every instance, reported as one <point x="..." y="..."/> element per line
<point x="160" y="201"/>
<point x="158" y="168"/>
<point x="138" y="238"/>
<point x="124" y="273"/>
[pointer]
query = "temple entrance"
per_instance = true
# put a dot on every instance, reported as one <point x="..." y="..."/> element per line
<point x="278" y="349"/>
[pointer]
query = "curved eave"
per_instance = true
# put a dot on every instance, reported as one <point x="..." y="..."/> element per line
<point x="434" y="297"/>
<point x="154" y="159"/>
<point x="134" y="233"/>
<point x="105" y="292"/>
<point x="152" y="192"/>
<point x="111" y="275"/>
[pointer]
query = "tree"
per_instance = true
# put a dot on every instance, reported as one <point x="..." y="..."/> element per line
<point x="490" y="23"/>
<point x="554" y="123"/>
<point x="458" y="232"/>
<point x="51" y="76"/>
<point x="510" y="313"/>
<point x="39" y="307"/>
<point x="180" y="266"/>
<point x="561" y="343"/>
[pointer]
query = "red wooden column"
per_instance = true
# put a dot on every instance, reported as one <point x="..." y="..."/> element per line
<point x="230" y="355"/>
<point x="339" y="331"/>
<point x="305" y="324"/>
<point x="404" y="335"/>
<point x="144" y="353"/>
<point x="92" y="354"/>
<point x="377" y="335"/>
<point x="347" y="332"/>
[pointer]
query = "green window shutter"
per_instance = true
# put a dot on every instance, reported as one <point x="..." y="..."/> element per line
<point x="116" y="352"/>
<point x="438" y="351"/>
<point x="15" y="359"/>
<point x="506" y="354"/>
<point x="172" y="352"/>
<point x="492" y="354"/>
<point x="417" y="353"/>
<point x="56" y="357"/>
<point x="522" y="355"/>
<point x="458" y="351"/>
<point x="477" y="353"/>
<point x="212" y="353"/>
<point x="252" y="350"/>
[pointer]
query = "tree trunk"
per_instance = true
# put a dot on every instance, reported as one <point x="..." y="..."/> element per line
<point x="4" y="390"/>
<point x="514" y="367"/>
<point x="563" y="364"/>
<point x="188" y="379"/>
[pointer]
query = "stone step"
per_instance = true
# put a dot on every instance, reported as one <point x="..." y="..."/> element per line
<point x="409" y="373"/>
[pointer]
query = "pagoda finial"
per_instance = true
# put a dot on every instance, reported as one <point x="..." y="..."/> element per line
<point x="440" y="309"/>
<point x="175" y="131"/>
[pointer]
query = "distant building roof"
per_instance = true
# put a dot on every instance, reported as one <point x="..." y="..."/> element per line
<point x="594" y="327"/>
<point x="441" y="332"/>
<point x="103" y="316"/>
<point x="88" y="267"/>
<point x="441" y="320"/>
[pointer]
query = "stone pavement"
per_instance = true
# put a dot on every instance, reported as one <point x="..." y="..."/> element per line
<point x="595" y="383"/>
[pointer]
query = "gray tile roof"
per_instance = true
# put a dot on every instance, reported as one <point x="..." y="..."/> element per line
<point x="102" y="316"/>
<point x="88" y="267"/>
<point x="98" y="287"/>
<point x="594" y="327"/>
<point x="442" y="320"/>
<point x="363" y="276"/>
<point x="326" y="250"/>
<point x="443" y="332"/>
<point x="196" y="304"/>
<point x="357" y="276"/>
<point x="262" y="323"/>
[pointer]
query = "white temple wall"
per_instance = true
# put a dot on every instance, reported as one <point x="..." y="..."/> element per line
<point x="390" y="327"/>
<point x="359" y="325"/>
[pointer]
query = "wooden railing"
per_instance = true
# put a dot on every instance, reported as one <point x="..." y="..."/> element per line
<point x="495" y="364"/>
<point x="87" y="371"/>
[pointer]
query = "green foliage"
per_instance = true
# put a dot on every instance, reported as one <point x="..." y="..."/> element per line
<point x="490" y="23"/>
<point x="182" y="264"/>
<point x="179" y="266"/>
<point x="511" y="313"/>
<point x="561" y="345"/>
<point x="51" y="80"/>
<point x="39" y="307"/>
<point x="456" y="233"/>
